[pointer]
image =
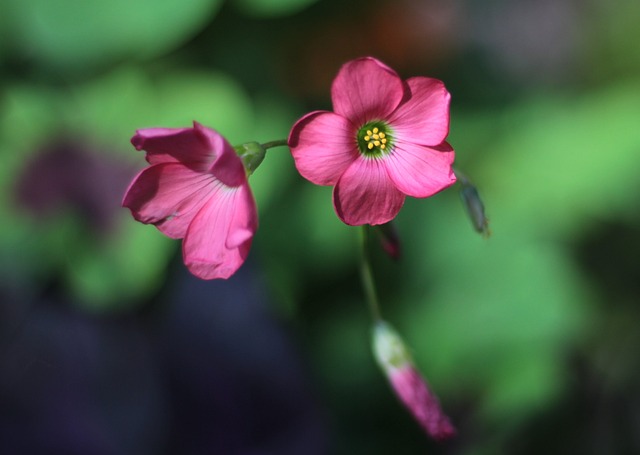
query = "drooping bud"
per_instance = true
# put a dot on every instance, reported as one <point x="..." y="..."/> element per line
<point x="390" y="239"/>
<point x="406" y="381"/>
<point x="475" y="209"/>
<point x="252" y="154"/>
<point x="473" y="205"/>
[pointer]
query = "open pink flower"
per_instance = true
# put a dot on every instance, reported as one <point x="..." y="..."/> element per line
<point x="196" y="189"/>
<point x="385" y="140"/>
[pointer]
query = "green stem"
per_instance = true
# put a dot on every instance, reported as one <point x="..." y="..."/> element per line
<point x="463" y="179"/>
<point x="366" y="276"/>
<point x="271" y="144"/>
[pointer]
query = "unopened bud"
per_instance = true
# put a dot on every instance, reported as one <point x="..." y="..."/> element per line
<point x="389" y="239"/>
<point x="473" y="204"/>
<point x="475" y="209"/>
<point x="408" y="384"/>
<point x="252" y="154"/>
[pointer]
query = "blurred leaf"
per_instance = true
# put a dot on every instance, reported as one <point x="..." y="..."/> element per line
<point x="113" y="107"/>
<point x="557" y="162"/>
<point x="78" y="34"/>
<point x="267" y="8"/>
<point x="487" y="304"/>
<point x="113" y="275"/>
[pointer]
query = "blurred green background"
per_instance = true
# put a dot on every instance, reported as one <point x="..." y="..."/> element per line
<point x="530" y="337"/>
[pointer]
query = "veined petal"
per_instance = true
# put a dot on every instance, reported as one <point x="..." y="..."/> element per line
<point x="227" y="167"/>
<point x="366" y="89"/>
<point x="424" y="118"/>
<point x="192" y="147"/>
<point x="323" y="145"/>
<point x="420" y="171"/>
<point x="168" y="195"/>
<point x="365" y="194"/>
<point x="219" y="237"/>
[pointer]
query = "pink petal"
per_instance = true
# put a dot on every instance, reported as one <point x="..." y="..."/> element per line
<point x="227" y="167"/>
<point x="424" y="118"/>
<point x="365" y="194"/>
<point x="423" y="404"/>
<point x="194" y="147"/>
<point x="420" y="171"/>
<point x="168" y="195"/>
<point x="366" y="89"/>
<point x="220" y="235"/>
<point x="323" y="145"/>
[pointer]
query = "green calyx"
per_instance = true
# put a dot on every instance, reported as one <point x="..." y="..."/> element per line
<point x="375" y="139"/>
<point x="251" y="154"/>
<point x="388" y="347"/>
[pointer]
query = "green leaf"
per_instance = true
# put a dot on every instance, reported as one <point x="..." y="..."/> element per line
<point x="76" y="35"/>
<point x="268" y="8"/>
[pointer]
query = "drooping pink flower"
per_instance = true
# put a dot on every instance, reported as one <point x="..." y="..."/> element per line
<point x="195" y="189"/>
<point x="408" y="384"/>
<point x="385" y="140"/>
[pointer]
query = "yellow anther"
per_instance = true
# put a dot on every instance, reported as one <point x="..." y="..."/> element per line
<point x="375" y="139"/>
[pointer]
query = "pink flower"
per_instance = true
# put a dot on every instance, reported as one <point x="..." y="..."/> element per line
<point x="385" y="140"/>
<point x="195" y="189"/>
<point x="394" y="358"/>
<point x="413" y="391"/>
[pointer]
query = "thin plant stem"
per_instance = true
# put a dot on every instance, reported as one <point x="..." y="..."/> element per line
<point x="271" y="144"/>
<point x="366" y="276"/>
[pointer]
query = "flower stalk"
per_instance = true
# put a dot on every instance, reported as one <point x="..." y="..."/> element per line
<point x="366" y="276"/>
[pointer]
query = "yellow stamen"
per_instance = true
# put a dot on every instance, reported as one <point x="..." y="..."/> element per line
<point x="375" y="139"/>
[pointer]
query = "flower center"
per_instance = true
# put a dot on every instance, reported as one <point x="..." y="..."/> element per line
<point x="374" y="139"/>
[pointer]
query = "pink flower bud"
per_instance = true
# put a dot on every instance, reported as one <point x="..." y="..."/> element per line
<point x="408" y="384"/>
<point x="390" y="239"/>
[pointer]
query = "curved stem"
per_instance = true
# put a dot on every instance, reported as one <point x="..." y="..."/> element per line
<point x="366" y="276"/>
<point x="271" y="144"/>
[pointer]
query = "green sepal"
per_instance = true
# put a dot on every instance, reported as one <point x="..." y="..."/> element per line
<point x="251" y="154"/>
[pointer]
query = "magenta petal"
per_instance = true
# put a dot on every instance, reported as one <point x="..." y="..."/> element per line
<point x="168" y="195"/>
<point x="366" y="89"/>
<point x="323" y="145"/>
<point x="365" y="194"/>
<point x="423" y="404"/>
<point x="420" y="171"/>
<point x="424" y="118"/>
<point x="189" y="146"/>
<point x="220" y="235"/>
